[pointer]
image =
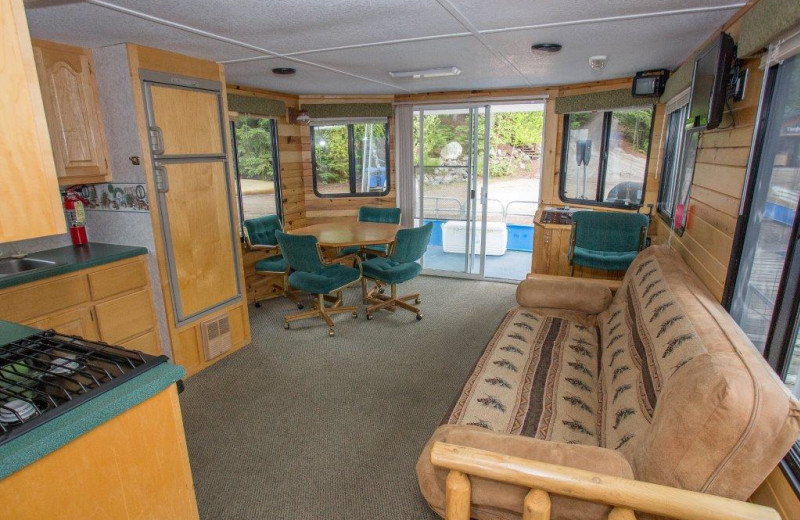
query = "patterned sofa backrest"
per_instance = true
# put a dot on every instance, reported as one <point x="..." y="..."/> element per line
<point x="687" y="398"/>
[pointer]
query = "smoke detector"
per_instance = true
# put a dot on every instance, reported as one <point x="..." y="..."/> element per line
<point x="598" y="62"/>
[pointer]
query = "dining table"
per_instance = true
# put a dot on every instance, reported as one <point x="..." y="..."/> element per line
<point x="344" y="233"/>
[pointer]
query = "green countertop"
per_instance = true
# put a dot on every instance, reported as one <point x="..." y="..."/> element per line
<point x="72" y="258"/>
<point x="55" y="433"/>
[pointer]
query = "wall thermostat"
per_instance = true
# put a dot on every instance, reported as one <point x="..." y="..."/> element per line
<point x="649" y="83"/>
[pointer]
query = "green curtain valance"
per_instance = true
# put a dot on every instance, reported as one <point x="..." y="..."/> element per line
<point x="345" y="110"/>
<point x="601" y="101"/>
<point x="765" y="22"/>
<point x="679" y="80"/>
<point x="256" y="106"/>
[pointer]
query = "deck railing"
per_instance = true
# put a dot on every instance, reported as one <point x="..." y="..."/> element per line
<point x="624" y="495"/>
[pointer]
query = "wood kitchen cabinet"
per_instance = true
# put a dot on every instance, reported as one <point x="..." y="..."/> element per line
<point x="110" y="303"/>
<point x="28" y="186"/>
<point x="72" y="108"/>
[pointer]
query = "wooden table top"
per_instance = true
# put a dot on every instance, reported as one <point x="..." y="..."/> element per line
<point x="353" y="233"/>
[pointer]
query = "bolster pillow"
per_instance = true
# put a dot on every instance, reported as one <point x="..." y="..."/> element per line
<point x="572" y="294"/>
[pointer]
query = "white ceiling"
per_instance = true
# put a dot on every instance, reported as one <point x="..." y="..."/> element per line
<point x="349" y="46"/>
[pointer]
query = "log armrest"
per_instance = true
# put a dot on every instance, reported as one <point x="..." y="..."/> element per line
<point x="624" y="495"/>
<point x="561" y="292"/>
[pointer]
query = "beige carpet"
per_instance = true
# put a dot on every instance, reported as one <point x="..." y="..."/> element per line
<point x="302" y="426"/>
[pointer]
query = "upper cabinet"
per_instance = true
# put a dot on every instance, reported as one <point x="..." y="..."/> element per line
<point x="28" y="186"/>
<point x="72" y="107"/>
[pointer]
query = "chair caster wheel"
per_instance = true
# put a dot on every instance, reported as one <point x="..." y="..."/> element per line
<point x="331" y="332"/>
<point x="419" y="316"/>
<point x="300" y="306"/>
<point x="381" y="290"/>
<point x="286" y="325"/>
<point x="418" y="301"/>
<point x="355" y="315"/>
<point x="257" y="305"/>
<point x="370" y="316"/>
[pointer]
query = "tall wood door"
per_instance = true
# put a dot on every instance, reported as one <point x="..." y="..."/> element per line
<point x="31" y="204"/>
<point x="194" y="194"/>
<point x="73" y="112"/>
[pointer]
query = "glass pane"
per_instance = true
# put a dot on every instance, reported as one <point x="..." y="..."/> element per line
<point x="672" y="150"/>
<point x="684" y="182"/>
<point x="628" y="144"/>
<point x="581" y="171"/>
<point x="331" y="159"/>
<point x="769" y="229"/>
<point x="255" y="164"/>
<point x="369" y="143"/>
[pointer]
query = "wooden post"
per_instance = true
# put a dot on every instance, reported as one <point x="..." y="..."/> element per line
<point x="621" y="513"/>
<point x="537" y="505"/>
<point x="457" y="496"/>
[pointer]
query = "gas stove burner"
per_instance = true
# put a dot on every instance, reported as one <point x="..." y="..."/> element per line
<point x="16" y="410"/>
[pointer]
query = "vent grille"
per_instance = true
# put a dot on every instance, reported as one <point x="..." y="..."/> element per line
<point x="216" y="336"/>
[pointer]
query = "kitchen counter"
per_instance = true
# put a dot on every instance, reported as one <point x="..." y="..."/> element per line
<point x="57" y="432"/>
<point x="72" y="258"/>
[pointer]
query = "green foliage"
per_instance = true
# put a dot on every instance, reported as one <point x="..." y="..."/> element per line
<point x="579" y="119"/>
<point x="517" y="129"/>
<point x="254" y="148"/>
<point x="635" y="127"/>
<point x="331" y="154"/>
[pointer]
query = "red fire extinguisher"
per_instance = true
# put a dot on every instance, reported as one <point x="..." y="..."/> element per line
<point x="76" y="215"/>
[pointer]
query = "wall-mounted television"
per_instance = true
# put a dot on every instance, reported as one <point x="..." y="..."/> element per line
<point x="712" y="68"/>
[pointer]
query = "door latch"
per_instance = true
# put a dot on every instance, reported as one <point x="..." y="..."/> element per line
<point x="161" y="178"/>
<point x="156" y="137"/>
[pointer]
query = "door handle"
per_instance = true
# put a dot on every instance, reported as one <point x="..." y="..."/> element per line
<point x="162" y="179"/>
<point x="156" y="140"/>
<point x="472" y="194"/>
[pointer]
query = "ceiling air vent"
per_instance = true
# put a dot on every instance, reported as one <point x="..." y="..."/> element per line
<point x="216" y="336"/>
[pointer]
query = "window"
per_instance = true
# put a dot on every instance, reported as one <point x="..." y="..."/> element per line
<point x="677" y="172"/>
<point x="350" y="159"/>
<point x="255" y="147"/>
<point x="604" y="158"/>
<point x="765" y="299"/>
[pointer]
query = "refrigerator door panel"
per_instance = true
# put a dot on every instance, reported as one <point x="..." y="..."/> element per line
<point x="185" y="122"/>
<point x="197" y="229"/>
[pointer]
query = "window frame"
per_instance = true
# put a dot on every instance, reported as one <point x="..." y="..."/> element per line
<point x="351" y="162"/>
<point x="603" y="163"/>
<point x="276" y="176"/>
<point x="786" y="316"/>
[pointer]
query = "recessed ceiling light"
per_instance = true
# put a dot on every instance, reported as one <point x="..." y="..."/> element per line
<point x="546" y="47"/>
<point x="284" y="71"/>
<point x="427" y="73"/>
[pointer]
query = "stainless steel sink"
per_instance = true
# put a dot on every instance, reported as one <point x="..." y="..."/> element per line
<point x="12" y="266"/>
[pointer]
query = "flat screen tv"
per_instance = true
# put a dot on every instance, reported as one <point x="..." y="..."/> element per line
<point x="712" y="67"/>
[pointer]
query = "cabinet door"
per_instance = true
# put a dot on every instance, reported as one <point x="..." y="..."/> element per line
<point x="73" y="112"/>
<point x="31" y="204"/>
<point x="77" y="322"/>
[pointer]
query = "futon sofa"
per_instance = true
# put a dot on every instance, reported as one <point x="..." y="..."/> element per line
<point x="655" y="382"/>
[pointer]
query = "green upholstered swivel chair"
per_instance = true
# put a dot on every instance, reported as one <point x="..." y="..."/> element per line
<point x="314" y="275"/>
<point x="259" y="235"/>
<point x="399" y="266"/>
<point x="373" y="214"/>
<point x="606" y="240"/>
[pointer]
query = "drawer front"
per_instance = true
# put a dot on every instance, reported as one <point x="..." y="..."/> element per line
<point x="118" y="279"/>
<point x="124" y="317"/>
<point x="27" y="303"/>
<point x="75" y="322"/>
<point x="146" y="343"/>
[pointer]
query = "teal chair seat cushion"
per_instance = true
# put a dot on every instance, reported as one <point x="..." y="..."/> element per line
<point x="272" y="264"/>
<point x="325" y="280"/>
<point x="390" y="271"/>
<point x="609" y="260"/>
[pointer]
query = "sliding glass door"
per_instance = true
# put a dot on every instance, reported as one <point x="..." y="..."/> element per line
<point x="450" y="148"/>
<point x="478" y="170"/>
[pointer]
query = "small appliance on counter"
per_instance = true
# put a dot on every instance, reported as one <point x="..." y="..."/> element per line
<point x="47" y="374"/>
